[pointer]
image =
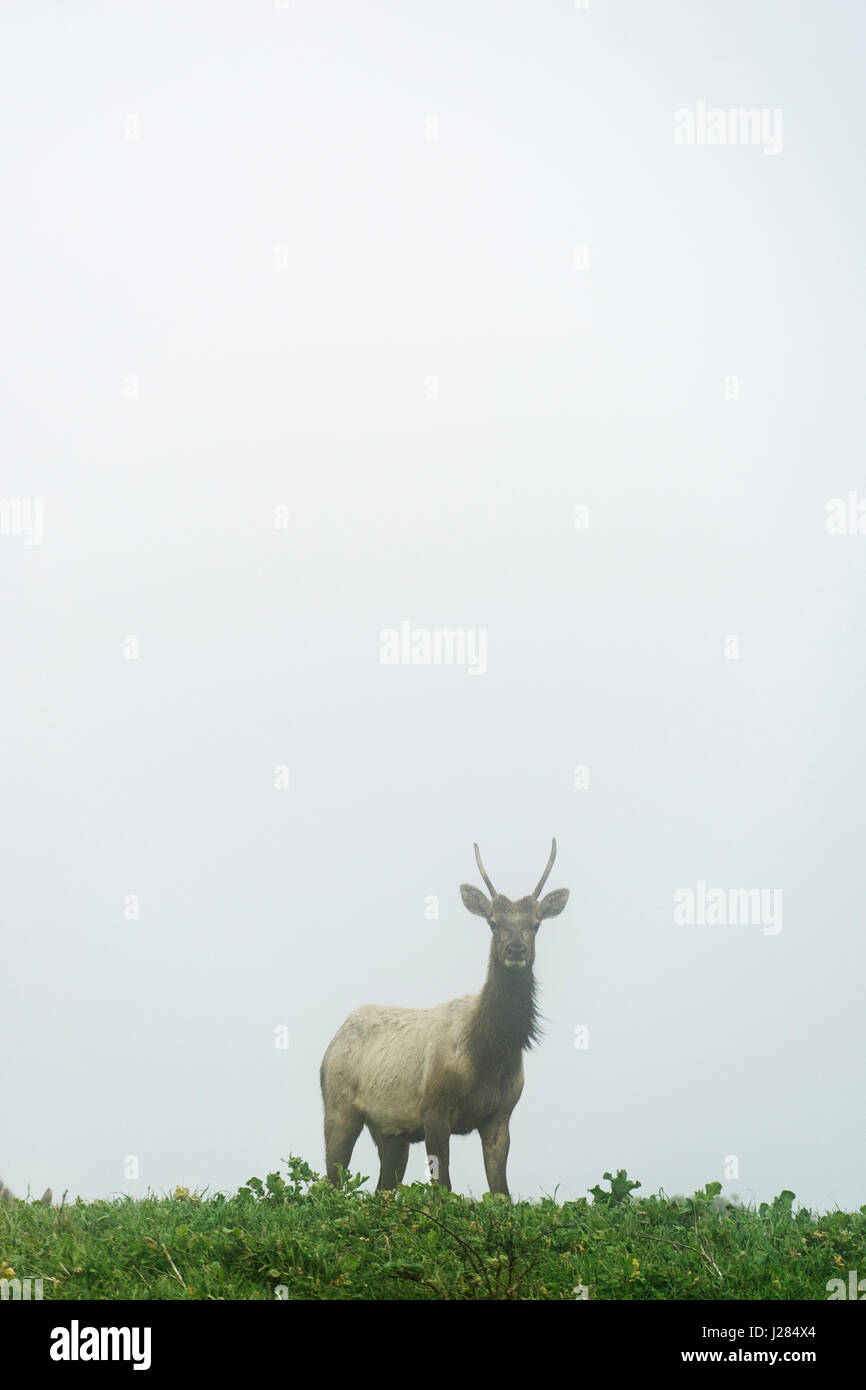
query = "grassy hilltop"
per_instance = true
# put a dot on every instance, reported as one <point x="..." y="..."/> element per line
<point x="299" y="1238"/>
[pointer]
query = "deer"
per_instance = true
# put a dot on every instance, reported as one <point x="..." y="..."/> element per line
<point x="413" y="1075"/>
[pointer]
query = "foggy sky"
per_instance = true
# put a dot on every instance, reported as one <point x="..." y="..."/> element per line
<point x="324" y="319"/>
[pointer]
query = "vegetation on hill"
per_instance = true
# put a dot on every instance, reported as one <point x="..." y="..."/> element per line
<point x="297" y="1237"/>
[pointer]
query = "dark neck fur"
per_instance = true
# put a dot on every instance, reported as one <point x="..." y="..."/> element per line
<point x="506" y="1021"/>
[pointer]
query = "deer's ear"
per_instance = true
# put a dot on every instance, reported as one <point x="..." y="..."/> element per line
<point x="553" y="903"/>
<point x="474" y="899"/>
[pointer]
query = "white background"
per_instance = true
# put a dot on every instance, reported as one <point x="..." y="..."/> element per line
<point x="237" y="242"/>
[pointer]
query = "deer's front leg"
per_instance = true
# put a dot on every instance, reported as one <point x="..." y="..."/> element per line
<point x="437" y="1137"/>
<point x="495" y="1143"/>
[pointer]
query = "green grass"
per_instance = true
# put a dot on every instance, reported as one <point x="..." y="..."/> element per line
<point x="420" y="1242"/>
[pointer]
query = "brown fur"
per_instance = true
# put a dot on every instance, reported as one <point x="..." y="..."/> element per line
<point x="425" y="1074"/>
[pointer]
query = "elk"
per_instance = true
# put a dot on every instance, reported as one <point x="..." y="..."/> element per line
<point x="425" y="1074"/>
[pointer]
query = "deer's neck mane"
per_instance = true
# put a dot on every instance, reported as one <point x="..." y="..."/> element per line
<point x="505" y="1021"/>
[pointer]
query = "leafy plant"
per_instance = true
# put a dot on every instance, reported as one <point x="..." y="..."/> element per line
<point x="621" y="1188"/>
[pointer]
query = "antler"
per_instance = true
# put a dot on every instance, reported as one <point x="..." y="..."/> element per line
<point x="543" y="879"/>
<point x="490" y="887"/>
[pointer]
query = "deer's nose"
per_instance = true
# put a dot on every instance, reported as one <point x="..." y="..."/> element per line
<point x="515" y="950"/>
